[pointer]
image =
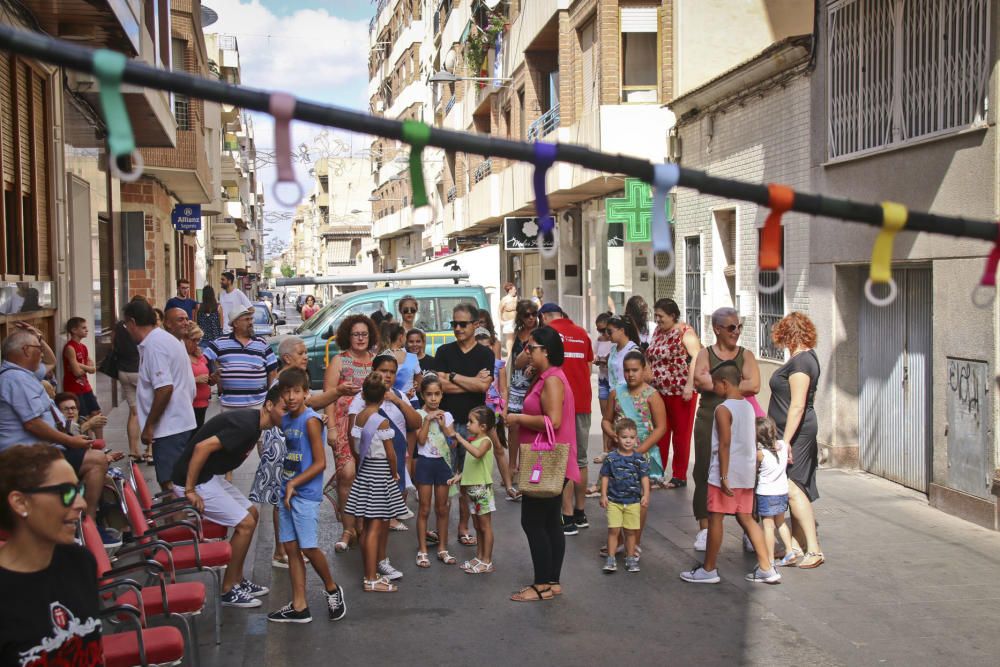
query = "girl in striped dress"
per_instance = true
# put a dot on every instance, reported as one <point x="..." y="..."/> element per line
<point x="375" y="495"/>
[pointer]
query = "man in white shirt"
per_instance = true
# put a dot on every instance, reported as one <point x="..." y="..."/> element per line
<point x="165" y="393"/>
<point x="232" y="300"/>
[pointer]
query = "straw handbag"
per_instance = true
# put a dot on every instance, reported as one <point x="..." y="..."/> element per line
<point x="543" y="465"/>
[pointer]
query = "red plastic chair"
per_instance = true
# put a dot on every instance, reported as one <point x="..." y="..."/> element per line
<point x="182" y="601"/>
<point x="170" y="504"/>
<point x="145" y="646"/>
<point x="191" y="557"/>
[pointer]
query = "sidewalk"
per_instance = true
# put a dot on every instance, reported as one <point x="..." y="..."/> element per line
<point x="903" y="584"/>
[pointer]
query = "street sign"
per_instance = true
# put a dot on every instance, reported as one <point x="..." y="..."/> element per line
<point x="522" y="234"/>
<point x="186" y="217"/>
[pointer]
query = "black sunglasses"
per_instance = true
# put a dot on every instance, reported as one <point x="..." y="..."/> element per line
<point x="456" y="324"/>
<point x="67" y="491"/>
<point x="733" y="328"/>
<point x="408" y="311"/>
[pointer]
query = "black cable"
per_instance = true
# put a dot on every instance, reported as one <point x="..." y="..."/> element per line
<point x="48" y="49"/>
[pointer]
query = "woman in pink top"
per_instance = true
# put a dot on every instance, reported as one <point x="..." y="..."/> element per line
<point x="541" y="518"/>
<point x="202" y="378"/>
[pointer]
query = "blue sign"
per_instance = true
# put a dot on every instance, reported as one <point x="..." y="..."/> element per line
<point x="186" y="217"/>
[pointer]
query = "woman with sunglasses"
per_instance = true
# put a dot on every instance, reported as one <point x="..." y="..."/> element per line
<point x="47" y="582"/>
<point x="727" y="327"/>
<point x="356" y="336"/>
<point x="408" y="308"/>
<point x="623" y="334"/>
<point x="519" y="372"/>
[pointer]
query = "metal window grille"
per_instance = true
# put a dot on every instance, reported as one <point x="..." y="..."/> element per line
<point x="904" y="70"/>
<point x="484" y="169"/>
<point x="182" y="111"/>
<point x="545" y="124"/>
<point x="452" y="193"/>
<point x="692" y="282"/>
<point x="770" y="310"/>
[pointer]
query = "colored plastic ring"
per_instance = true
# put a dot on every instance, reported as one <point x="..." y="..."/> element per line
<point x="670" y="263"/>
<point x="777" y="286"/>
<point x="540" y="240"/>
<point x="127" y="176"/>
<point x="880" y="302"/>
<point x="284" y="202"/>
<point x="978" y="301"/>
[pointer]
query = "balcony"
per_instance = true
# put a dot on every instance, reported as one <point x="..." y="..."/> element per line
<point x="235" y="211"/>
<point x="484" y="169"/>
<point x="611" y="128"/>
<point x="112" y="24"/>
<point x="547" y="123"/>
<point x="536" y="28"/>
<point x="401" y="222"/>
<point x="225" y="236"/>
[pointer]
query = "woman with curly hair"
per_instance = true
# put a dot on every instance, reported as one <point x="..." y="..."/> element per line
<point x="793" y="390"/>
<point x="356" y="337"/>
<point x="637" y="312"/>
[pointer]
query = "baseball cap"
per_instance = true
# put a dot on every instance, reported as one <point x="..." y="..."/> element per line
<point x="550" y="307"/>
<point x="237" y="314"/>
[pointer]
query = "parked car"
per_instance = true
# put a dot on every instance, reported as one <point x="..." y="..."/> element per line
<point x="265" y="322"/>
<point x="434" y="316"/>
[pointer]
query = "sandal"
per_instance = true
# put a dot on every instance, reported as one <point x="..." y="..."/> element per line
<point x="808" y="564"/>
<point x="468" y="540"/>
<point x="400" y="527"/>
<point x="432" y="537"/>
<point x="480" y="568"/>
<point x="538" y="597"/>
<point x="422" y="559"/>
<point x="675" y="483"/>
<point x="556" y="588"/>
<point x="446" y="558"/>
<point x="344" y="545"/>
<point x="148" y="458"/>
<point x="380" y="585"/>
<point x="791" y="558"/>
<point x="467" y="565"/>
<point x="593" y="491"/>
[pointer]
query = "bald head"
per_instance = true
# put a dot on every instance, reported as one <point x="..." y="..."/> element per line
<point x="176" y="322"/>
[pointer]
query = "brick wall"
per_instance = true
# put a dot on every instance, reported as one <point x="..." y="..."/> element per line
<point x="763" y="140"/>
<point x="152" y="282"/>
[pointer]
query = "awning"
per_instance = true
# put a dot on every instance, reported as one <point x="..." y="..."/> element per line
<point x="338" y="251"/>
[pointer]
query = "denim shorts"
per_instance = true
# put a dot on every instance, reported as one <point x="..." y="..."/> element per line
<point x="432" y="470"/>
<point x="603" y="389"/>
<point x="772" y="505"/>
<point x="300" y="524"/>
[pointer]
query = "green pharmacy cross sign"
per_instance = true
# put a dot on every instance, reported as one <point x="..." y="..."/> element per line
<point x="634" y="210"/>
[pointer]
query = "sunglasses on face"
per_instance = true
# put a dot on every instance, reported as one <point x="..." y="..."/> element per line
<point x="459" y="324"/>
<point x="732" y="328"/>
<point x="408" y="311"/>
<point x="534" y="347"/>
<point x="67" y="491"/>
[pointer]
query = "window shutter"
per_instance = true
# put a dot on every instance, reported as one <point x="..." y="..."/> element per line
<point x="7" y="118"/>
<point x="639" y="19"/>
<point x="587" y="39"/>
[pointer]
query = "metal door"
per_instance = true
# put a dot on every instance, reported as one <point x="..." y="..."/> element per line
<point x="895" y="376"/>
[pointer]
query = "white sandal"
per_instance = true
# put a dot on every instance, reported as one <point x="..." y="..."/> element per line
<point x="380" y="585"/>
<point x="446" y="558"/>
<point x="480" y="568"/>
<point x="422" y="559"/>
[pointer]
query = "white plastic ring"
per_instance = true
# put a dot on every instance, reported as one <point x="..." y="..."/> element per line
<point x="880" y="302"/>
<point x="127" y="176"/>
<point x="776" y="287"/>
<point x="978" y="301"/>
<point x="670" y="263"/>
<point x="540" y="241"/>
<point x="287" y="203"/>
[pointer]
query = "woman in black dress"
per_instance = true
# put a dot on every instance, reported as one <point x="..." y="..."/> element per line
<point x="793" y="388"/>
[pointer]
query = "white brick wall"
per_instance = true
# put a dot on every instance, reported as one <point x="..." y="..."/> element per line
<point x="763" y="140"/>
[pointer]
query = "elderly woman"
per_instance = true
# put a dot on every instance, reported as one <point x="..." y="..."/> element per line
<point x="550" y="397"/>
<point x="42" y="569"/>
<point x="727" y="327"/>
<point x="408" y="310"/>
<point x="356" y="337"/>
<point x="793" y="388"/>
<point x="672" y="350"/>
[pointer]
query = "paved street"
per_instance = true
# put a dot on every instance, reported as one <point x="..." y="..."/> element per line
<point x="903" y="584"/>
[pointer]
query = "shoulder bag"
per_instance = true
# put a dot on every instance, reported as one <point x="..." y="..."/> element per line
<point x="543" y="465"/>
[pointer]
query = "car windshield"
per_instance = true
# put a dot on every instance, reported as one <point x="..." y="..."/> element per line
<point x="260" y="315"/>
<point x="314" y="323"/>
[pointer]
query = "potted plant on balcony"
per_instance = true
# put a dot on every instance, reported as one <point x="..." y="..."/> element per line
<point x="480" y="41"/>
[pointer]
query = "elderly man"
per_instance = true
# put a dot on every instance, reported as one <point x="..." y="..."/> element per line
<point x="28" y="415"/>
<point x="165" y="393"/>
<point x="176" y="322"/>
<point x="244" y="364"/>
<point x="577" y="367"/>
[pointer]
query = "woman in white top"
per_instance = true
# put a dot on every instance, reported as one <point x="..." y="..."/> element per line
<point x="625" y="339"/>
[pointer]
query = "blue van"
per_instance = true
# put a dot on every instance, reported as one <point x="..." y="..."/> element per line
<point x="435" y="304"/>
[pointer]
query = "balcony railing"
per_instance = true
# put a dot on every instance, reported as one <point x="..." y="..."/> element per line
<point x="484" y="169"/>
<point x="452" y="193"/>
<point x="545" y="124"/>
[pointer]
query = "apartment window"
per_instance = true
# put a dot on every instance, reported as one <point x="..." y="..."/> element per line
<point x="904" y="70"/>
<point x="770" y="310"/>
<point x="182" y="103"/>
<point x="588" y="50"/>
<point x="639" y="54"/>
<point x="692" y="282"/>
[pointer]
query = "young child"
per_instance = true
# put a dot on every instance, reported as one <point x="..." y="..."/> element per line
<point x="731" y="477"/>
<point x="477" y="480"/>
<point x="772" y="488"/>
<point x="69" y="406"/>
<point x="77" y="362"/>
<point x="375" y="495"/>
<point x="302" y="494"/>
<point x="495" y="401"/>
<point x="624" y="491"/>
<point x="432" y="469"/>
<point x="602" y="350"/>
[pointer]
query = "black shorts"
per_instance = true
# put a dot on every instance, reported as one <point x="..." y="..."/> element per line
<point x="75" y="458"/>
<point x="88" y="404"/>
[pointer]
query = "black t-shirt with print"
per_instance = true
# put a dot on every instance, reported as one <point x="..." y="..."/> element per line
<point x="238" y="430"/>
<point x="50" y="617"/>
<point x="451" y="359"/>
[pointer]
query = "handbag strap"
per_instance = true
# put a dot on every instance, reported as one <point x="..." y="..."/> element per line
<point x="545" y="441"/>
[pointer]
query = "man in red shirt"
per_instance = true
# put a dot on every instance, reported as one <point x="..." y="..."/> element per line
<point x="579" y="357"/>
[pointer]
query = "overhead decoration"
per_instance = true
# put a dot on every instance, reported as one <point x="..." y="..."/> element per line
<point x="665" y="177"/>
<point x="417" y="134"/>
<point x="893" y="219"/>
<point x="108" y="67"/>
<point x="769" y="253"/>
<point x="282" y="107"/>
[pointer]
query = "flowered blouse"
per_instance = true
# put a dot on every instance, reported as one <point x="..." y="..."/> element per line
<point x="669" y="360"/>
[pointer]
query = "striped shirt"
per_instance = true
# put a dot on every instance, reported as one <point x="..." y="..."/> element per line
<point x="243" y="370"/>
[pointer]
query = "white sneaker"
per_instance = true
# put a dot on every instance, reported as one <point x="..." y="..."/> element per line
<point x="759" y="576"/>
<point x="405" y="517"/>
<point x="700" y="576"/>
<point x="748" y="545"/>
<point x="386" y="569"/>
<point x="701" y="540"/>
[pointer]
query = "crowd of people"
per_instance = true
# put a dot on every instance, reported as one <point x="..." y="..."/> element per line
<point x="514" y="404"/>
